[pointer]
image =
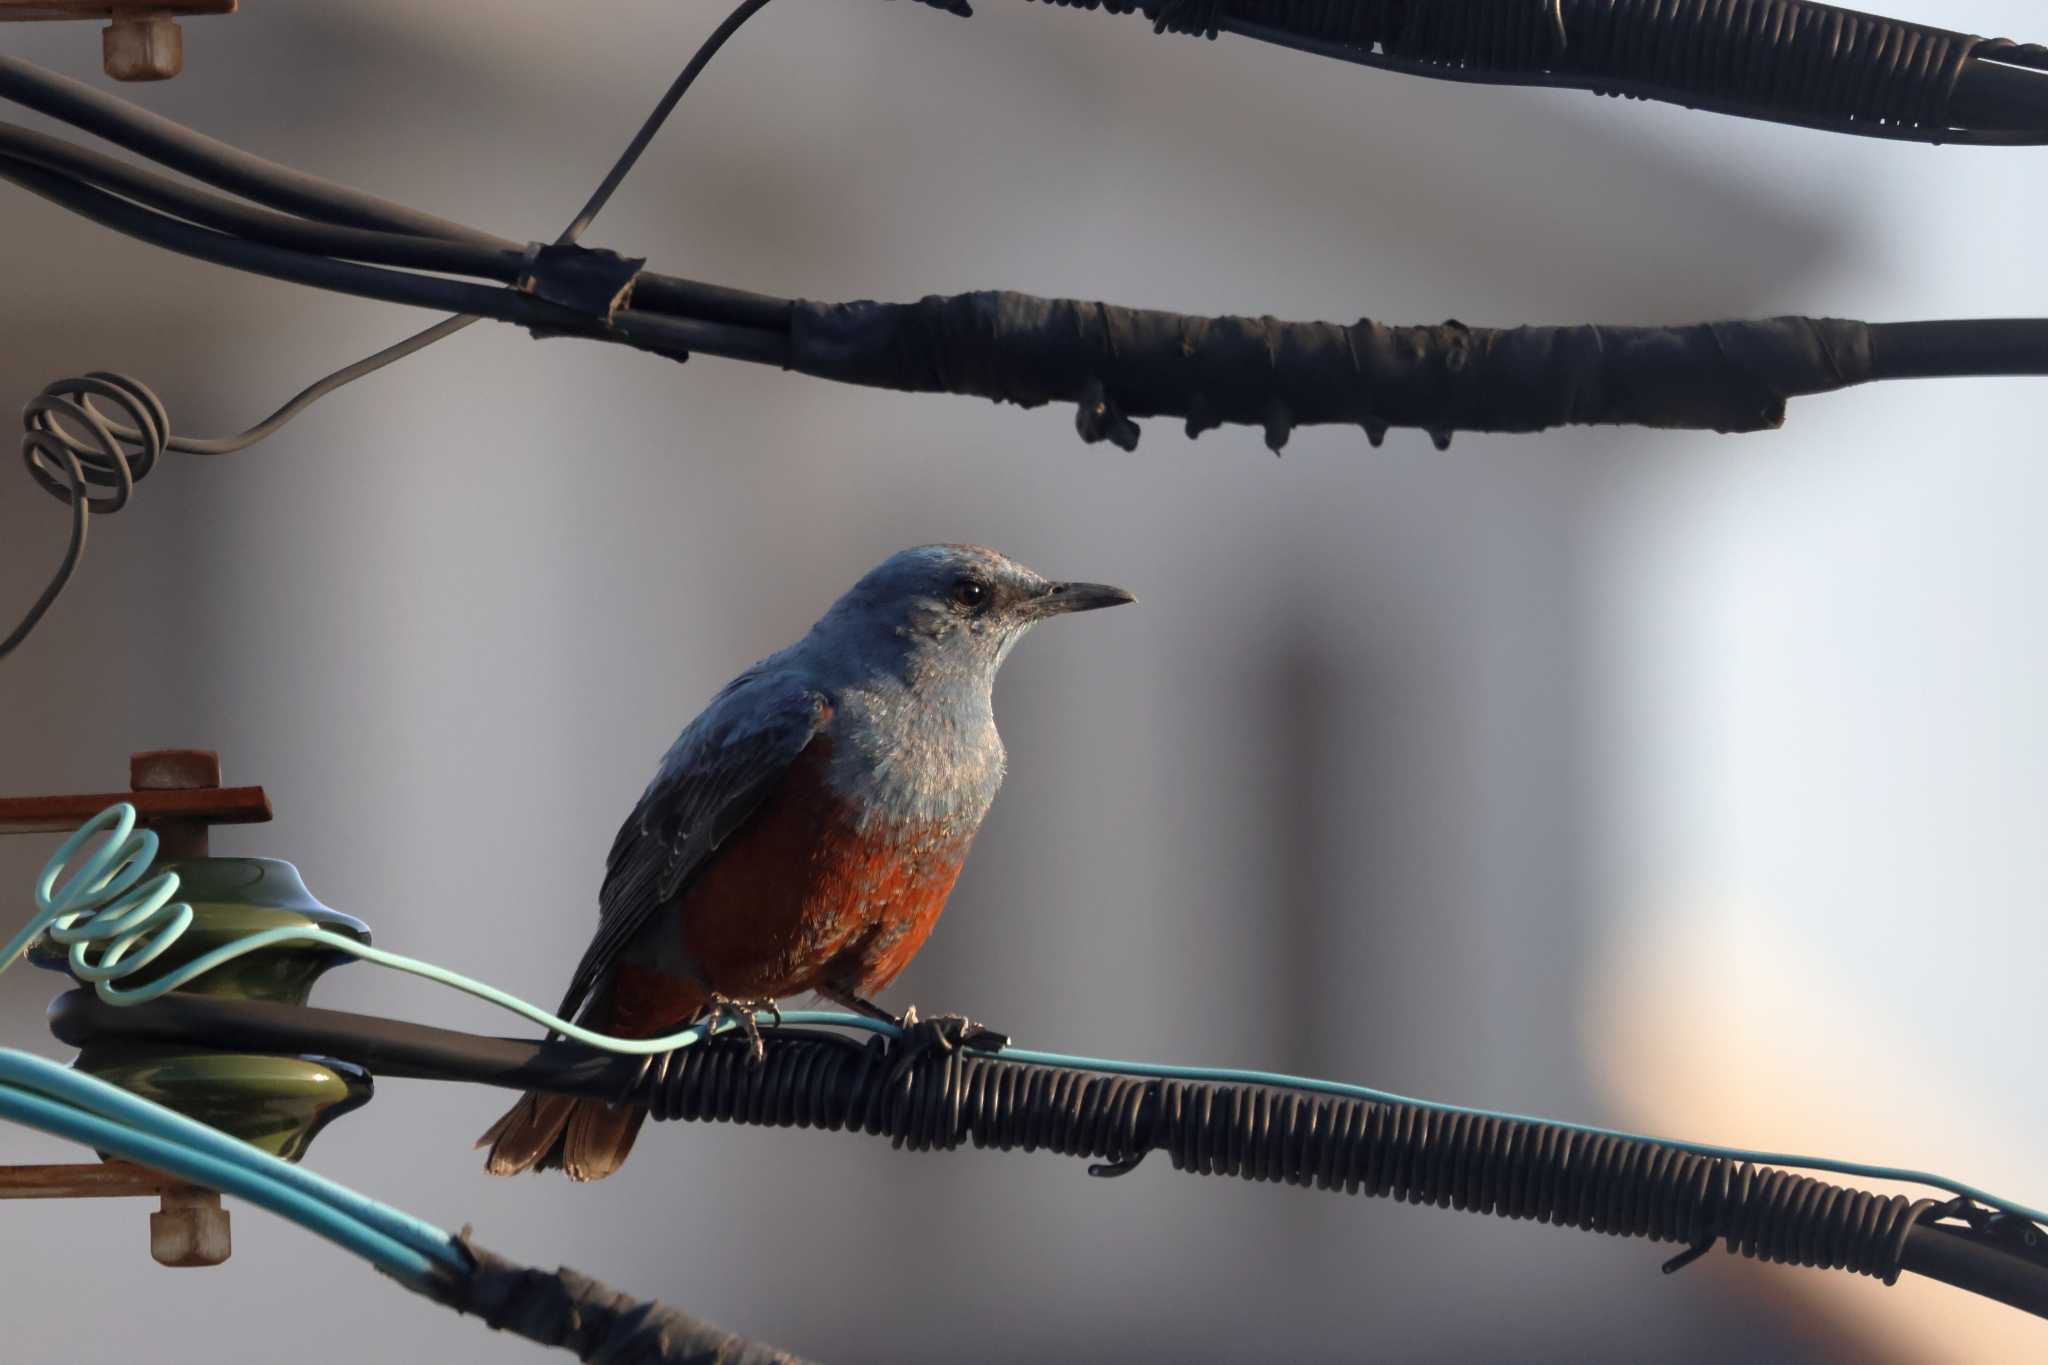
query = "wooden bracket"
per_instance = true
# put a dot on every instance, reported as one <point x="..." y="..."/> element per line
<point x="176" y="792"/>
<point x="190" y="1228"/>
<point x="141" y="42"/>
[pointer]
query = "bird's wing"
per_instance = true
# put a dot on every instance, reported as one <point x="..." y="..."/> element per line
<point x="712" y="778"/>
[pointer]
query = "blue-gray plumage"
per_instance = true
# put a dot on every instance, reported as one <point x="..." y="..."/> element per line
<point x="803" y="832"/>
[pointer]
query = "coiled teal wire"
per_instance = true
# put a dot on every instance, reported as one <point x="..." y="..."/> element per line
<point x="108" y="901"/>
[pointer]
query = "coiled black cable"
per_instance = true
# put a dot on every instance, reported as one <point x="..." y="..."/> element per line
<point x="925" y="1098"/>
<point x="934" y="1099"/>
<point x="1793" y="61"/>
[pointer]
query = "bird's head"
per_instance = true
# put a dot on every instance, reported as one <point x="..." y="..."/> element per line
<point x="952" y="612"/>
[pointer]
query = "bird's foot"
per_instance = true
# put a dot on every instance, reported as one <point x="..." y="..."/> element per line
<point x="943" y="1034"/>
<point x="950" y="1033"/>
<point x="742" y="1015"/>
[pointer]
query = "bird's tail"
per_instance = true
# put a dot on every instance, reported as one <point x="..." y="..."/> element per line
<point x="589" y="1139"/>
<point x="586" y="1139"/>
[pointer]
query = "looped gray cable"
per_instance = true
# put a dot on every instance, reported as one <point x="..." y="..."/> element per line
<point x="64" y="464"/>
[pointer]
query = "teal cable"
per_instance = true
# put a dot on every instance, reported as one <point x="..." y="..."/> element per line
<point x="109" y="888"/>
<point x="108" y="902"/>
<point x="85" y="1109"/>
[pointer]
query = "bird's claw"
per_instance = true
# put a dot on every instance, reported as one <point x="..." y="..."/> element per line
<point x="741" y="1014"/>
<point x="950" y="1033"/>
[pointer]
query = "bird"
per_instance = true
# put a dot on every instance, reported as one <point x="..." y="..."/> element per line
<point x="803" y="832"/>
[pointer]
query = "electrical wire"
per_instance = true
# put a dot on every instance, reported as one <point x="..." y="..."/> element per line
<point x="217" y="163"/>
<point x="334" y="237"/>
<point x="107" y="901"/>
<point x="55" y="1099"/>
<point x="663" y="107"/>
<point x="345" y="223"/>
<point x="1791" y="62"/>
<point x="559" y="1308"/>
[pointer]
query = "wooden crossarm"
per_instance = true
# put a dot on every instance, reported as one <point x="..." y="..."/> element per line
<point x="210" y="805"/>
<point x="104" y="9"/>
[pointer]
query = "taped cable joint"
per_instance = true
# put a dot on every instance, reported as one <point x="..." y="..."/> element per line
<point x="592" y="281"/>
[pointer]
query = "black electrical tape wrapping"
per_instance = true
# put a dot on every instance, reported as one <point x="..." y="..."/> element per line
<point x="936" y="1099"/>
<point x="567" y="1309"/>
<point x="590" y="280"/>
<point x="1019" y="348"/>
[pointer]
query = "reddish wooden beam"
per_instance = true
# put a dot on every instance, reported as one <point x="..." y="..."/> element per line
<point x="84" y="1180"/>
<point x="177" y="792"/>
<point x="210" y="805"/>
<point x="189" y="1228"/>
<point x="106" y="9"/>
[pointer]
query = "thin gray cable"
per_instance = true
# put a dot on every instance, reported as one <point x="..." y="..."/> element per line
<point x="67" y="459"/>
<point x="683" y="81"/>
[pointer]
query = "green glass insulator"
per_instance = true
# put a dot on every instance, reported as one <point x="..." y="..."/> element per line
<point x="276" y="1103"/>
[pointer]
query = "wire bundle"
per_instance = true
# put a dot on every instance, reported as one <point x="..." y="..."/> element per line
<point x="1790" y="60"/>
<point x="296" y="227"/>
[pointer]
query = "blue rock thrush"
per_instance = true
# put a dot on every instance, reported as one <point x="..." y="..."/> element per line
<point x="802" y="834"/>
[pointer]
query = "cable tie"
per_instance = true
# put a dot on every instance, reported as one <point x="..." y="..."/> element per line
<point x="591" y="280"/>
<point x="524" y="283"/>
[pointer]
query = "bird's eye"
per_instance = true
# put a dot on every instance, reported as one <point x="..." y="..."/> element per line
<point x="971" y="593"/>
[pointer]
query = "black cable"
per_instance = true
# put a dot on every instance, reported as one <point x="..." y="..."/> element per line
<point x="1116" y="364"/>
<point x="1113" y="363"/>
<point x="216" y="163"/>
<point x="925" y="1098"/>
<point x="662" y="293"/>
<point x="26" y="148"/>
<point x="672" y="336"/>
<point x="1119" y="363"/>
<point x="284" y="263"/>
<point x="1795" y="62"/>
<point x="570" y="1310"/>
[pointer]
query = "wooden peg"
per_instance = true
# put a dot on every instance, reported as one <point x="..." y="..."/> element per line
<point x="168" y="787"/>
<point x="142" y="47"/>
<point x="176" y="770"/>
<point x="141" y="42"/>
<point x="190" y="1229"/>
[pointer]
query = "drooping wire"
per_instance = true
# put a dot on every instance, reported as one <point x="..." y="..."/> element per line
<point x="110" y="881"/>
<point x="71" y="446"/>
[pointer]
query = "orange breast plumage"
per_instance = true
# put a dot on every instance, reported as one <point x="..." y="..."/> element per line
<point x="806" y="894"/>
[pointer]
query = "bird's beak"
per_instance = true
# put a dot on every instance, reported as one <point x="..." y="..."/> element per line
<point x="1062" y="598"/>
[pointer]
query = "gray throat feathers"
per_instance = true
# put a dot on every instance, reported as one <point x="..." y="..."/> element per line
<point x="921" y="755"/>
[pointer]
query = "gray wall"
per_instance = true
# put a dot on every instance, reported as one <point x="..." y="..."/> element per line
<point x="1398" y="746"/>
